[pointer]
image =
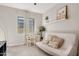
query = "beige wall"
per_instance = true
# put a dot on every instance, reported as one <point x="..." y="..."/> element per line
<point x="70" y="25"/>
<point x="8" y="20"/>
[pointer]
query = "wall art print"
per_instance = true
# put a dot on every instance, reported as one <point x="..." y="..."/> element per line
<point x="62" y="13"/>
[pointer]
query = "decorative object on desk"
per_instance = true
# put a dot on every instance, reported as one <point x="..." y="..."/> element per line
<point x="20" y="23"/>
<point x="62" y="13"/>
<point x="41" y="30"/>
<point x="46" y="18"/>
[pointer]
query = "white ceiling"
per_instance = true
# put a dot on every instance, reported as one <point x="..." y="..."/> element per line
<point x="39" y="8"/>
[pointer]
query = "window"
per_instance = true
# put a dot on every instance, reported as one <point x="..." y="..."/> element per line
<point x="20" y="21"/>
<point x="29" y="25"/>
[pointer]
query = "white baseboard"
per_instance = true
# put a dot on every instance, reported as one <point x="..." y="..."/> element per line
<point x="17" y="44"/>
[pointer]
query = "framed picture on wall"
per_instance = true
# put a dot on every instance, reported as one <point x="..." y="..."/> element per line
<point x="62" y="13"/>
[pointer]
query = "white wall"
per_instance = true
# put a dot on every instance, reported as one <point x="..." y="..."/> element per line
<point x="69" y="25"/>
<point x="8" y="19"/>
<point x="37" y="18"/>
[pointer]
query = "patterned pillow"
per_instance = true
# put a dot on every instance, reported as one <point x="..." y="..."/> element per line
<point x="56" y="42"/>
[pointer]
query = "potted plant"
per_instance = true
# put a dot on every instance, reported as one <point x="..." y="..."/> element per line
<point x="41" y="30"/>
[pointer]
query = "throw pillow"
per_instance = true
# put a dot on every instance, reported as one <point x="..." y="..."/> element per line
<point x="56" y="42"/>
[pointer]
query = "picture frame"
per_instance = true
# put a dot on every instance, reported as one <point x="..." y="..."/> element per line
<point x="62" y="13"/>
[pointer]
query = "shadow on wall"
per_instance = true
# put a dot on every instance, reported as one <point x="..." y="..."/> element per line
<point x="2" y="40"/>
<point x="3" y="32"/>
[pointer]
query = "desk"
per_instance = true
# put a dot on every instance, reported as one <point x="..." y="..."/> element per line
<point x="31" y="39"/>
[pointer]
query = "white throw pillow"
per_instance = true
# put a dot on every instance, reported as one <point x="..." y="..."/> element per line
<point x="46" y="40"/>
<point x="53" y="45"/>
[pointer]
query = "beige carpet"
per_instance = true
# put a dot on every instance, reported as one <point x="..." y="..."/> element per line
<point x="25" y="51"/>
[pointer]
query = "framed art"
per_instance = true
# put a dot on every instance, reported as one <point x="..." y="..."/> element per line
<point x="47" y="19"/>
<point x="62" y="13"/>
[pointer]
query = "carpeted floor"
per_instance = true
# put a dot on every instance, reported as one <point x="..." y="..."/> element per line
<point x="25" y="51"/>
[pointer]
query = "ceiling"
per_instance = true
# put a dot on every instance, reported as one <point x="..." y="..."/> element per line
<point x="39" y="8"/>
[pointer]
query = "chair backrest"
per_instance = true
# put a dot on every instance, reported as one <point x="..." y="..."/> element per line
<point x="32" y="37"/>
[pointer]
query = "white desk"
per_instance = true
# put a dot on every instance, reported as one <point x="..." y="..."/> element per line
<point x="31" y="39"/>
